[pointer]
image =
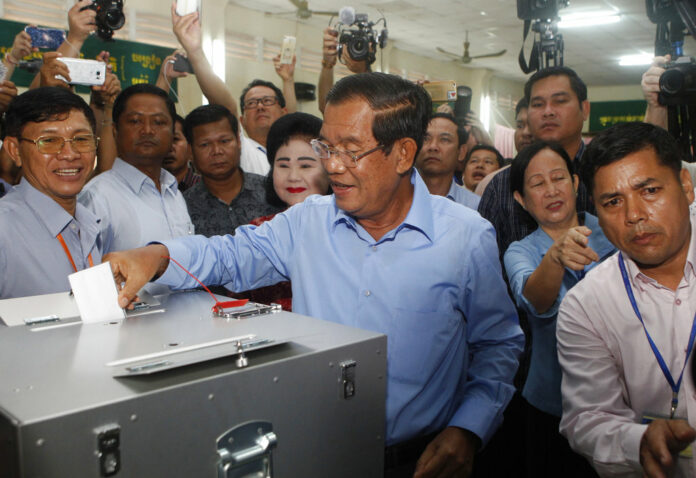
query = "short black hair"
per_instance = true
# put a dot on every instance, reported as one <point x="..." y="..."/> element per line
<point x="462" y="134"/>
<point x="208" y="114"/>
<point x="179" y="119"/>
<point x="267" y="84"/>
<point x="486" y="147"/>
<point x="284" y="129"/>
<point x="48" y="103"/>
<point x="576" y="84"/>
<point x="402" y="108"/>
<point x="523" y="104"/>
<point x="615" y="143"/>
<point x="142" y="89"/>
<point x="522" y="160"/>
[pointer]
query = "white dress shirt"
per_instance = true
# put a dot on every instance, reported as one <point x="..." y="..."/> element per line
<point x="253" y="158"/>
<point x="610" y="374"/>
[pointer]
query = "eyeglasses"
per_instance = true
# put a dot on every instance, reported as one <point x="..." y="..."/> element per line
<point x="254" y="102"/>
<point x="81" y="143"/>
<point x="348" y="158"/>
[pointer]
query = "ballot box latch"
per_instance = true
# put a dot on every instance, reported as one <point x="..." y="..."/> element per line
<point x="246" y="450"/>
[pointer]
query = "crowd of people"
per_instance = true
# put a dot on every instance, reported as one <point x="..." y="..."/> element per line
<point x="553" y="293"/>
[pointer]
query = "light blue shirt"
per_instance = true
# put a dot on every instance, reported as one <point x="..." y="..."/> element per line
<point x="463" y="196"/>
<point x="32" y="260"/>
<point x="543" y="386"/>
<point x="133" y="210"/>
<point x="433" y="285"/>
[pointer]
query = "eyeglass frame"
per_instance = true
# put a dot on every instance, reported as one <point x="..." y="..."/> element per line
<point x="65" y="140"/>
<point x="256" y="102"/>
<point x="338" y="152"/>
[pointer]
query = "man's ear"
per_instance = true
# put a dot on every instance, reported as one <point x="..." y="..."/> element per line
<point x="520" y="200"/>
<point x="463" y="149"/>
<point x="11" y="145"/>
<point x="687" y="184"/>
<point x="585" y="110"/>
<point x="405" y="148"/>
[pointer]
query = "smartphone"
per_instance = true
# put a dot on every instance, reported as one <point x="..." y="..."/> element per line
<point x="442" y="91"/>
<point x="184" y="7"/>
<point x="48" y="38"/>
<point x="85" y="72"/>
<point x="287" y="51"/>
<point x="181" y="63"/>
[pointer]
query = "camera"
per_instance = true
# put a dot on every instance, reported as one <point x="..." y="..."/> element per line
<point x="539" y="9"/>
<point x="678" y="82"/>
<point x="109" y="17"/>
<point x="358" y="36"/>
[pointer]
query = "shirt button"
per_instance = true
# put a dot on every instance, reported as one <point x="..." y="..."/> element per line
<point x="367" y="293"/>
<point x="678" y="301"/>
<point x="374" y="248"/>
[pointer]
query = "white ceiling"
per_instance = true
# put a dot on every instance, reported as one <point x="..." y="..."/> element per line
<point x="421" y="26"/>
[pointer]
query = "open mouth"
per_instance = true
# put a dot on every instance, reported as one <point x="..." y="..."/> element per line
<point x="555" y="206"/>
<point x="68" y="172"/>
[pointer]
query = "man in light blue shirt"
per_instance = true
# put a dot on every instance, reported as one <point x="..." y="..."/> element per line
<point x="383" y="254"/>
<point x="46" y="234"/>
<point x="444" y="147"/>
<point x="137" y="199"/>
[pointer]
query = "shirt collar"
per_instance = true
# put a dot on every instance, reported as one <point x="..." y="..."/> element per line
<point x="419" y="216"/>
<point x="49" y="212"/>
<point x="136" y="178"/>
<point x="578" y="155"/>
<point x="452" y="190"/>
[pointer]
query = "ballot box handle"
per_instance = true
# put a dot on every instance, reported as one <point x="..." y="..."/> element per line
<point x="246" y="450"/>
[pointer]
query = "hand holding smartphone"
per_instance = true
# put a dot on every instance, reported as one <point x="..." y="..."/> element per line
<point x="48" y="38"/>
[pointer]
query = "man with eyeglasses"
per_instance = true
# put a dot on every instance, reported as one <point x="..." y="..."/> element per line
<point x="137" y="198"/>
<point x="262" y="103"/>
<point x="382" y="254"/>
<point x="46" y="233"/>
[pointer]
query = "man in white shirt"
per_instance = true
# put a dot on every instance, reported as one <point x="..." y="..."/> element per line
<point x="625" y="332"/>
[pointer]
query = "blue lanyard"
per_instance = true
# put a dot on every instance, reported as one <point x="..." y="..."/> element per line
<point x="661" y="362"/>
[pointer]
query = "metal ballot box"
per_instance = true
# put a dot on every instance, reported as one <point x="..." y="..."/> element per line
<point x="177" y="392"/>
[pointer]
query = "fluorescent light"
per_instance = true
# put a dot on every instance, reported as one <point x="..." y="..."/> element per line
<point x="589" y="19"/>
<point x="634" y="60"/>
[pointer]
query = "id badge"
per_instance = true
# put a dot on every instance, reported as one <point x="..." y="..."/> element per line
<point x="649" y="417"/>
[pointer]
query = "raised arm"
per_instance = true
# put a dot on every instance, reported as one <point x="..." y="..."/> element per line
<point x="188" y="31"/>
<point x="287" y="73"/>
<point x="21" y="47"/>
<point x="655" y="113"/>
<point x="326" y="76"/>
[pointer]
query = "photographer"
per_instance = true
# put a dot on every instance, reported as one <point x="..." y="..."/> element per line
<point x="328" y="61"/>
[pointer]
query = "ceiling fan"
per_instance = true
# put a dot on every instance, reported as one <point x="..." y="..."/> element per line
<point x="466" y="58"/>
<point x="303" y="12"/>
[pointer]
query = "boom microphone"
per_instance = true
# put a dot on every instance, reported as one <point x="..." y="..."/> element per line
<point x="346" y="15"/>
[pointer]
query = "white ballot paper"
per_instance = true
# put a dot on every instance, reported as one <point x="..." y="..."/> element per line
<point x="96" y="295"/>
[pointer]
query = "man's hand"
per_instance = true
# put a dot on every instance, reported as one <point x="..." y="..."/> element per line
<point x="52" y="67"/>
<point x="571" y="249"/>
<point x="81" y="23"/>
<point x="330" y="48"/>
<point x="651" y="80"/>
<point x="187" y="30"/>
<point x="106" y="94"/>
<point x="8" y="91"/>
<point x="21" y="46"/>
<point x="450" y="454"/>
<point x="285" y="71"/>
<point x="661" y="440"/>
<point x="445" y="108"/>
<point x="134" y="268"/>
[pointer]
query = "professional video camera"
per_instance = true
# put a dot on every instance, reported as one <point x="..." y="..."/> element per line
<point x="358" y="35"/>
<point x="109" y="17"/>
<point x="542" y="17"/>
<point x="678" y="82"/>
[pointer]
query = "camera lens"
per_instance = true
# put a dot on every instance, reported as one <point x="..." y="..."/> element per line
<point x="672" y="81"/>
<point x="358" y="48"/>
<point x="114" y="18"/>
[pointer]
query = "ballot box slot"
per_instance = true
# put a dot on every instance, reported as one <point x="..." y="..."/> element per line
<point x="177" y="355"/>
